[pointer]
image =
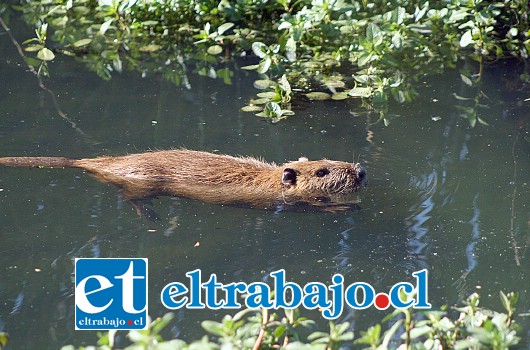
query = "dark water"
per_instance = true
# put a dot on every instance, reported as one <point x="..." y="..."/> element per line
<point x="442" y="196"/>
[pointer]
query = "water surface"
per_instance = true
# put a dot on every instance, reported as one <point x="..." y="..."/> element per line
<point x="441" y="196"/>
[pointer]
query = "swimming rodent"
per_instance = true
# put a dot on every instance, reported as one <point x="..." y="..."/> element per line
<point x="215" y="178"/>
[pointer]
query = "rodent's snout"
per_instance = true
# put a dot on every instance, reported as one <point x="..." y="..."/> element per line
<point x="361" y="174"/>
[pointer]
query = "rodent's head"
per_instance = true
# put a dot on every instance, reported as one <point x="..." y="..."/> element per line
<point x="323" y="176"/>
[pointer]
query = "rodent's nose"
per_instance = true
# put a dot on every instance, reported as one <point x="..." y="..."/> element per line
<point x="361" y="173"/>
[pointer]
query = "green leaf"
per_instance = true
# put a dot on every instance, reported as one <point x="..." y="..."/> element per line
<point x="284" y="85"/>
<point x="274" y="48"/>
<point x="251" y="67"/>
<point x="370" y="336"/>
<point x="372" y="32"/>
<point x="461" y="98"/>
<point x="513" y="32"/>
<point x="149" y="48"/>
<point x="82" y="42"/>
<point x="105" y="2"/>
<point x="400" y="96"/>
<point x="213" y="327"/>
<point x="45" y="54"/>
<point x="346" y="29"/>
<point x="263" y="84"/>
<point x="224" y="27"/>
<point x="105" y="26"/>
<point x="466" y="39"/>
<point x="273" y="110"/>
<point x="389" y="334"/>
<point x="339" y="96"/>
<point x="287" y="112"/>
<point x="264" y="65"/>
<point x="297" y="345"/>
<point x="298" y="33"/>
<point x="175" y="344"/>
<point x="362" y="78"/>
<point x="482" y="334"/>
<point x="360" y="92"/>
<point x="445" y="325"/>
<point x="348" y="336"/>
<point x="30" y="40"/>
<point x="417" y="332"/>
<point x="259" y="49"/>
<point x="207" y="28"/>
<point x="158" y="324"/>
<point x="81" y="10"/>
<point x="33" y="48"/>
<point x="239" y="316"/>
<point x="138" y="336"/>
<point x="418" y="14"/>
<point x="364" y="58"/>
<point x="259" y="101"/>
<point x="466" y="80"/>
<point x="215" y="49"/>
<point x="396" y="16"/>
<point x="318" y="96"/>
<point x="422" y="29"/>
<point x="317" y="335"/>
<point x="290" y="49"/>
<point x="482" y="121"/>
<point x="278" y="332"/>
<point x="202" y="344"/>
<point x="251" y="109"/>
<point x="397" y="40"/>
<point x="505" y="301"/>
<point x="285" y="25"/>
<point x="3" y="339"/>
<point x="32" y="61"/>
<point x="268" y="94"/>
<point x="466" y="344"/>
<point x="149" y="23"/>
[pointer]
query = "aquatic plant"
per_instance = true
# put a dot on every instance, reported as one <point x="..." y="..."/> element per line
<point x="467" y="327"/>
<point x="320" y="49"/>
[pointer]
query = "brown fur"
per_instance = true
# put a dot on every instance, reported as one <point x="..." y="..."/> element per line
<point x="212" y="177"/>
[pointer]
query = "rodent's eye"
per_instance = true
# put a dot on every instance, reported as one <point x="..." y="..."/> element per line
<point x="322" y="172"/>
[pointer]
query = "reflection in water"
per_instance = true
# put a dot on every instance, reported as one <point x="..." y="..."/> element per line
<point x="471" y="257"/>
<point x="470" y="249"/>
<point x="465" y="150"/>
<point x="433" y="188"/>
<point x="18" y="303"/>
<point x="416" y="243"/>
<point x="342" y="258"/>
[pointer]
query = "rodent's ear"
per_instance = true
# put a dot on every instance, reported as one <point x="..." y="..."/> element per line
<point x="289" y="176"/>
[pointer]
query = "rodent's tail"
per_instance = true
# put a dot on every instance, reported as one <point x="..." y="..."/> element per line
<point x="46" y="162"/>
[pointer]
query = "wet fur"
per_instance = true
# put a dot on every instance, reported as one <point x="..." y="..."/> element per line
<point x="212" y="177"/>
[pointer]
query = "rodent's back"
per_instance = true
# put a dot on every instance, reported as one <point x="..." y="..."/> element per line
<point x="202" y="175"/>
<point x="182" y="165"/>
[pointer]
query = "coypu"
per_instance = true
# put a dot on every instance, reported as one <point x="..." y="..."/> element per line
<point x="214" y="178"/>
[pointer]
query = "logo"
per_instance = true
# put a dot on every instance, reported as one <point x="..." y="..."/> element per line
<point x="330" y="299"/>
<point x="110" y="294"/>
